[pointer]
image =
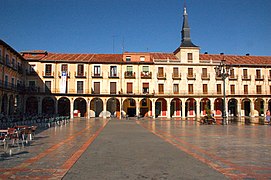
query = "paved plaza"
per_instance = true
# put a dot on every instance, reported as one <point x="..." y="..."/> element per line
<point x="143" y="149"/>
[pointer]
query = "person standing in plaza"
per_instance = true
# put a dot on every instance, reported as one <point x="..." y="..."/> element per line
<point x="268" y="116"/>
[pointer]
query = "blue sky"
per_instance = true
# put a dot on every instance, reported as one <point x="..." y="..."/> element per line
<point x="91" y="26"/>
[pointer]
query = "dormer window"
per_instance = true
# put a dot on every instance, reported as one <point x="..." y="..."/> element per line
<point x="142" y="58"/>
<point x="128" y="58"/>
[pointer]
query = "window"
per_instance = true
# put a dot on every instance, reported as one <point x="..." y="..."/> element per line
<point x="128" y="58"/>
<point x="64" y="67"/>
<point x="232" y="73"/>
<point x="142" y="58"/>
<point x="80" y="70"/>
<point x="190" y="72"/>
<point x="80" y="87"/>
<point x="245" y="89"/>
<point x="176" y="88"/>
<point x="190" y="89"/>
<point x="129" y="71"/>
<point x="96" y="87"/>
<point x="12" y="82"/>
<point x="160" y="72"/>
<point x="113" y="71"/>
<point x="204" y="72"/>
<point x="205" y="88"/>
<point x="232" y="89"/>
<point x="245" y="73"/>
<point x="13" y="63"/>
<point x="97" y="70"/>
<point x="218" y="88"/>
<point x="129" y="87"/>
<point x="47" y="86"/>
<point x="190" y="57"/>
<point x="113" y="88"/>
<point x="7" y="60"/>
<point x="258" y="73"/>
<point x="259" y="89"/>
<point x="175" y="72"/>
<point x="161" y="88"/>
<point x="145" y="69"/>
<point x="48" y="69"/>
<point x="145" y="88"/>
<point x="6" y="81"/>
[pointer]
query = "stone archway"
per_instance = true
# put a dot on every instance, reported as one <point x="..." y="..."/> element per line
<point x="232" y="107"/>
<point x="80" y="107"/>
<point x="113" y="106"/>
<point x="96" y="106"/>
<point x="245" y="107"/>
<point x="64" y="106"/>
<point x="218" y="106"/>
<point x="129" y="106"/>
<point x="145" y="107"/>
<point x="259" y="107"/>
<point x="190" y="107"/>
<point x="48" y="106"/>
<point x="31" y="105"/>
<point x="205" y="106"/>
<point x="160" y="107"/>
<point x="176" y="108"/>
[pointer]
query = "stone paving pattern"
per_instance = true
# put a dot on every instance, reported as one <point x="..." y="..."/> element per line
<point x="143" y="149"/>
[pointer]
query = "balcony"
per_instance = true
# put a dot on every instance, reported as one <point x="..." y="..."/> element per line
<point x="80" y="75"/>
<point x="176" y="76"/>
<point x="259" y="78"/>
<point x="233" y="77"/>
<point x="129" y="75"/>
<point x="68" y="74"/>
<point x="96" y="75"/>
<point x="146" y="75"/>
<point x="246" y="78"/>
<point x="47" y="74"/>
<point x="161" y="76"/>
<point x="205" y="76"/>
<point x="191" y="76"/>
<point x="113" y="75"/>
<point x="218" y="78"/>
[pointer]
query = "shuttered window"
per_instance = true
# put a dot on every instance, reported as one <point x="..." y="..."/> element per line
<point x="64" y="67"/>
<point x="205" y="88"/>
<point x="204" y="72"/>
<point x="190" y="72"/>
<point x="258" y="73"/>
<point x="245" y="89"/>
<point x="259" y="89"/>
<point x="129" y="87"/>
<point x="232" y="89"/>
<point x="175" y="88"/>
<point x="218" y="88"/>
<point x="80" y="86"/>
<point x="96" y="87"/>
<point x="48" y="69"/>
<point x="80" y="70"/>
<point x="245" y="73"/>
<point x="161" y="88"/>
<point x="113" y="88"/>
<point x="190" y="89"/>
<point x="160" y="71"/>
<point x="175" y="72"/>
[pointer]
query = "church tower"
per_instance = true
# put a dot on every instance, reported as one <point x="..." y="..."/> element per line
<point x="187" y="52"/>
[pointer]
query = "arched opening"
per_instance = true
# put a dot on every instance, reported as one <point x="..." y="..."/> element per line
<point x="48" y="106"/>
<point x="205" y="106"/>
<point x="190" y="107"/>
<point x="31" y="105"/>
<point x="113" y="106"/>
<point x="259" y="107"/>
<point x="129" y="106"/>
<point x="232" y="107"/>
<point x="145" y="107"/>
<point x="218" y="106"/>
<point x="160" y="107"/>
<point x="64" y="106"/>
<point x="245" y="107"/>
<point x="176" y="108"/>
<point x="80" y="107"/>
<point x="96" y="106"/>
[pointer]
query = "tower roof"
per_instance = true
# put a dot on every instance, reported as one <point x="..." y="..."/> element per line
<point x="186" y="40"/>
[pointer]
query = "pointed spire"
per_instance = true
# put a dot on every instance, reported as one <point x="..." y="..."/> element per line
<point x="186" y="40"/>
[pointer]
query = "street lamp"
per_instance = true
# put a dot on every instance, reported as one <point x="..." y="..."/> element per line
<point x="223" y="70"/>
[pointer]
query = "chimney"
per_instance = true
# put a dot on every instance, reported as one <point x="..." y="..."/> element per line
<point x="221" y="53"/>
<point x="247" y="54"/>
<point x="206" y="52"/>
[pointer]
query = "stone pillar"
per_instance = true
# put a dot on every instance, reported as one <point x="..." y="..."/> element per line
<point x="153" y="108"/>
<point x="88" y="107"/>
<point x="239" y="105"/>
<point x="168" y="108"/>
<point x="265" y="105"/>
<point x="198" y="107"/>
<point x="104" y="108"/>
<point x="183" y="108"/>
<point x="120" y="108"/>
<point x="252" y="108"/>
<point x="137" y="107"/>
<point x="212" y="105"/>
<point x="71" y="106"/>
<point x="227" y="108"/>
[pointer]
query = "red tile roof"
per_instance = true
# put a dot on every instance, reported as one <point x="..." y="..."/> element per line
<point x="239" y="60"/>
<point x="163" y="56"/>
